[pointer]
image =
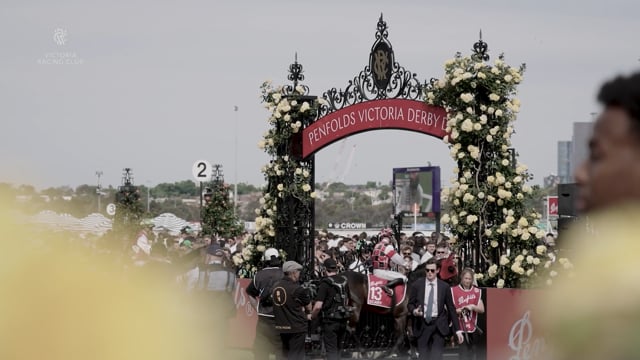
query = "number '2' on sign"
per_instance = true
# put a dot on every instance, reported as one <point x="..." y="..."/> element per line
<point x="202" y="170"/>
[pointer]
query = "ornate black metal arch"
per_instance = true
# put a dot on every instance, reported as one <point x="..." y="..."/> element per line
<point x="382" y="78"/>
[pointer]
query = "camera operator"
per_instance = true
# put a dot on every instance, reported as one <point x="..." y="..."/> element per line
<point x="332" y="303"/>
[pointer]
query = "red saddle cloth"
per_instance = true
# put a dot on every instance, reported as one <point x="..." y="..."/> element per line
<point x="378" y="297"/>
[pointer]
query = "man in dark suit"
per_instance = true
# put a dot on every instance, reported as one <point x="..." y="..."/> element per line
<point x="431" y="304"/>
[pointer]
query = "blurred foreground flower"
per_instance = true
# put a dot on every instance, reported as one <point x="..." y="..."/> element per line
<point x="594" y="314"/>
<point x="61" y="302"/>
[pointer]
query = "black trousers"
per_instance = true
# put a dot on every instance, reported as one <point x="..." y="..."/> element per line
<point x="430" y="343"/>
<point x="293" y="345"/>
<point x="332" y="333"/>
<point x="469" y="348"/>
<point x="267" y="340"/>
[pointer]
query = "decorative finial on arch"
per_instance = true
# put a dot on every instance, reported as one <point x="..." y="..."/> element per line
<point x="382" y="28"/>
<point x="480" y="50"/>
<point x="295" y="71"/>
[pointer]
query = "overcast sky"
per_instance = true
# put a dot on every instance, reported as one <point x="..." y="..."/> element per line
<point x="159" y="80"/>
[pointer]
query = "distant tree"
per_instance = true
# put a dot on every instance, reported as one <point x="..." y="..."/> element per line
<point x="218" y="217"/>
<point x="244" y="188"/>
<point x="126" y="222"/>
<point x="371" y="185"/>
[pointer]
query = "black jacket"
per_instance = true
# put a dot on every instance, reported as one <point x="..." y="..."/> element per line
<point x="446" y="309"/>
<point x="289" y="299"/>
<point x="329" y="294"/>
<point x="262" y="286"/>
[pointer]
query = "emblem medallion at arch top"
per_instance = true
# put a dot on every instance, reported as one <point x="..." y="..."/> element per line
<point x="382" y="96"/>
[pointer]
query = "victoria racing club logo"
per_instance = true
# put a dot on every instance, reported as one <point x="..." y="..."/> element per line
<point x="60" y="36"/>
<point x="63" y="57"/>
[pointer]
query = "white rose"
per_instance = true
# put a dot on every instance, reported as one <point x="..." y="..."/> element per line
<point x="313" y="195"/>
<point x="504" y="260"/>
<point x="493" y="269"/>
<point x="529" y="272"/>
<point x="494" y="97"/>
<point x="483" y="119"/>
<point x="505" y="162"/>
<point x="477" y="127"/>
<point x="536" y="261"/>
<point x="500" y="284"/>
<point x="300" y="89"/>
<point x="445" y="219"/>
<point x="508" y="78"/>
<point x="523" y="222"/>
<point x="306" y="187"/>
<point x="498" y="112"/>
<point x="481" y="75"/>
<point x="466" y="97"/>
<point x="467" y="125"/>
<point x="489" y="138"/>
<point x="280" y="187"/>
<point x="494" y="244"/>
<point x="541" y="249"/>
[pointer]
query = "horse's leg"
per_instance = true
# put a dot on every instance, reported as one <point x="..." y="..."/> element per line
<point x="400" y="326"/>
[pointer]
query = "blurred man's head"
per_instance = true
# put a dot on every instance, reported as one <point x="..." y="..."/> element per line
<point x="611" y="173"/>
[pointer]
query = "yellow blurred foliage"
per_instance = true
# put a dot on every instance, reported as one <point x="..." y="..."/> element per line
<point x="595" y="314"/>
<point x="57" y="303"/>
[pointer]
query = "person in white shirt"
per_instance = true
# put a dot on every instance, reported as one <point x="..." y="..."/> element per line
<point x="431" y="304"/>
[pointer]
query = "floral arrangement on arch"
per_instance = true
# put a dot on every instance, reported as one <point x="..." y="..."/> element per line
<point x="286" y="176"/>
<point x="488" y="192"/>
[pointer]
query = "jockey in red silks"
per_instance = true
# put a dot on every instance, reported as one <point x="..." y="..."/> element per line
<point x="384" y="253"/>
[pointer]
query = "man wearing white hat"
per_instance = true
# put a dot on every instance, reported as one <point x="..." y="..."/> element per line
<point x="267" y="340"/>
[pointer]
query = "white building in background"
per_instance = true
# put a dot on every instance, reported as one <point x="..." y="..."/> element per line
<point x="564" y="162"/>
<point x="579" y="145"/>
<point x="572" y="153"/>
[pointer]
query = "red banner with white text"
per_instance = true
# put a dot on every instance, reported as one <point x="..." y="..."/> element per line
<point x="401" y="114"/>
<point x="511" y="334"/>
<point x="242" y="327"/>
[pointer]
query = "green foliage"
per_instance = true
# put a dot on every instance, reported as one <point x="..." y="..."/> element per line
<point x="129" y="210"/>
<point x="244" y="188"/>
<point x="289" y="178"/>
<point x="489" y="203"/>
<point x="177" y="189"/>
<point x="218" y="217"/>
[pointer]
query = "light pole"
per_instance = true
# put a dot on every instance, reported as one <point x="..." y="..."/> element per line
<point x="98" y="190"/>
<point x="148" y="196"/>
<point x="235" y="180"/>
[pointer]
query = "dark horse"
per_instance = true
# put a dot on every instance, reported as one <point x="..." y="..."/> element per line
<point x="358" y="291"/>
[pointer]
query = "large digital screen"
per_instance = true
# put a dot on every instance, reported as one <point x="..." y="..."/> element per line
<point x="416" y="189"/>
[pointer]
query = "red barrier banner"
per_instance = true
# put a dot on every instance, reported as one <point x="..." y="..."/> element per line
<point x="552" y="205"/>
<point x="510" y="331"/>
<point x="242" y="327"/>
<point x="401" y="114"/>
